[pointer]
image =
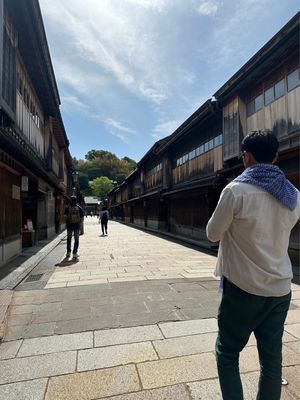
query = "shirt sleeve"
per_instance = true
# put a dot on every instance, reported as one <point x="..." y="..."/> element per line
<point x="81" y="212"/>
<point x="222" y="217"/>
<point x="66" y="210"/>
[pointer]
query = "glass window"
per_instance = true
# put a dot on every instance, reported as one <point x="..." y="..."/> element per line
<point x="293" y="79"/>
<point x="269" y="96"/>
<point x="206" y="146"/>
<point x="258" y="103"/>
<point x="218" y="140"/>
<point x="250" y="108"/>
<point x="279" y="89"/>
<point x="211" y="144"/>
<point x="202" y="149"/>
<point x="192" y="154"/>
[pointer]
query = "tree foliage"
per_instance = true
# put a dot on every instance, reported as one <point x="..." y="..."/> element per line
<point x="101" y="186"/>
<point x="102" y="163"/>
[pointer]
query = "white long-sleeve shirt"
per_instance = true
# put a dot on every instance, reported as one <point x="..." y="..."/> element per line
<point x="254" y="229"/>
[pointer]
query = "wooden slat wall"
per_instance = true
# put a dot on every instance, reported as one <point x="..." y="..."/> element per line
<point x="153" y="180"/>
<point x="205" y="164"/>
<point x="231" y="129"/>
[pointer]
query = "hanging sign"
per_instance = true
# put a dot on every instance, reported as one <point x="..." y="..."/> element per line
<point x="24" y="184"/>
<point x="15" y="192"/>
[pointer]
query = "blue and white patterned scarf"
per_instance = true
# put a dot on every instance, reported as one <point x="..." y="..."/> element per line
<point x="270" y="178"/>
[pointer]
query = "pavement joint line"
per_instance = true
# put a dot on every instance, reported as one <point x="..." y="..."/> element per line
<point x="187" y="388"/>
<point x="46" y="388"/>
<point x="139" y="377"/>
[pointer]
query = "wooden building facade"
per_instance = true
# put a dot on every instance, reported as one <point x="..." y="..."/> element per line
<point x="177" y="184"/>
<point x="35" y="163"/>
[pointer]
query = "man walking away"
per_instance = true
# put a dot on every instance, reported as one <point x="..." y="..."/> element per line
<point x="74" y="215"/>
<point x="104" y="220"/>
<point x="253" y="220"/>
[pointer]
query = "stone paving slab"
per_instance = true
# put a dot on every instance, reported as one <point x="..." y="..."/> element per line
<point x="182" y="328"/>
<point x="294" y="329"/>
<point x="115" y="355"/>
<point x="294" y="346"/>
<point x="22" y="369"/>
<point x="9" y="349"/>
<point x="160" y="373"/>
<point x="94" y="384"/>
<point x="293" y="388"/>
<point x="85" y="324"/>
<point x="186" y="345"/>
<point x="29" y="331"/>
<point x="177" y="392"/>
<point x="27" y="390"/>
<point x="127" y="335"/>
<point x="54" y="344"/>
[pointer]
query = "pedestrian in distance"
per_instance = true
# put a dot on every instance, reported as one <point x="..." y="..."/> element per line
<point x="74" y="216"/>
<point x="253" y="220"/>
<point x="104" y="220"/>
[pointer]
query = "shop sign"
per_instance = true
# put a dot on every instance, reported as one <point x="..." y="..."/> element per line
<point x="16" y="194"/>
<point x="24" y="183"/>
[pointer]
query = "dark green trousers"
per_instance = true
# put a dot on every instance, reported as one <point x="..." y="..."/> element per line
<point x="240" y="314"/>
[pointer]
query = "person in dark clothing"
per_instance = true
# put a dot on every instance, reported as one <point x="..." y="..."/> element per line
<point x="104" y="220"/>
<point x="74" y="215"/>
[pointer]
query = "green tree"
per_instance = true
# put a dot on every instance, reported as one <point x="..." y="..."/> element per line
<point x="94" y="154"/>
<point x="130" y="161"/>
<point x="101" y="186"/>
<point x="99" y="163"/>
<point x="84" y="184"/>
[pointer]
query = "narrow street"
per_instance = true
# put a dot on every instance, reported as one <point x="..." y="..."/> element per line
<point x="133" y="319"/>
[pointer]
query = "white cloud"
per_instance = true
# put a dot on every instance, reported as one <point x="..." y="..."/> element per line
<point x="156" y="5"/>
<point x="119" y="42"/>
<point x="71" y="101"/>
<point x="117" y="129"/>
<point x="117" y="125"/>
<point x="208" y="7"/>
<point x="164" y="129"/>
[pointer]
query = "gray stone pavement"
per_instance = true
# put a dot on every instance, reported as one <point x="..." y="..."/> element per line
<point x="133" y="319"/>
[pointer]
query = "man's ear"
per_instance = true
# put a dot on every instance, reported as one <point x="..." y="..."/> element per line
<point x="275" y="159"/>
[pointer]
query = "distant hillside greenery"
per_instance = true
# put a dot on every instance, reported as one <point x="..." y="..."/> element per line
<point x="99" y="171"/>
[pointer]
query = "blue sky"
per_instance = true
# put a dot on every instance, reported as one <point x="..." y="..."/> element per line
<point x="129" y="72"/>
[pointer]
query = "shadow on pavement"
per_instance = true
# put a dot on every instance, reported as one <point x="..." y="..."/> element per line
<point x="66" y="262"/>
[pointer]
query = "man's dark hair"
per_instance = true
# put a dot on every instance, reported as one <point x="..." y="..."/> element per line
<point x="263" y="145"/>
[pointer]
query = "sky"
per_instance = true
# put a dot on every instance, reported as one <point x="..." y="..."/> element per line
<point x="129" y="72"/>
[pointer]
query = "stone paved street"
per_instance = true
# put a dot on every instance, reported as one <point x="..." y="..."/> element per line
<point x="133" y="319"/>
